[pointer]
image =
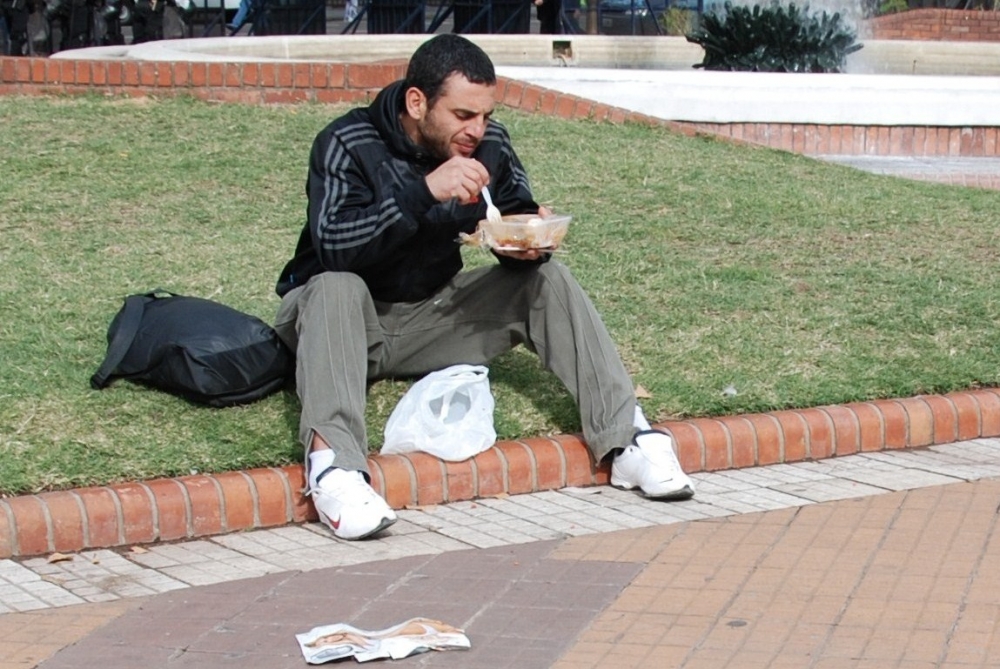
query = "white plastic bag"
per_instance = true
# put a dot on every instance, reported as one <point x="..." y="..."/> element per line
<point x="448" y="413"/>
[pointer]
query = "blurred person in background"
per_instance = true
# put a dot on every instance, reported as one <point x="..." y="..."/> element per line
<point x="548" y="16"/>
<point x="147" y="21"/>
<point x="14" y="31"/>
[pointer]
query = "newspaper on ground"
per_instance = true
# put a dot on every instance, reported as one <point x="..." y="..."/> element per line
<point x="417" y="635"/>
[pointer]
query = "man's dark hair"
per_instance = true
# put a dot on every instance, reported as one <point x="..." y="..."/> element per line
<point x="440" y="57"/>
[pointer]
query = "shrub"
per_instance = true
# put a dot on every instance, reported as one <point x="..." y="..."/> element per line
<point x="773" y="39"/>
<point x="677" y="21"/>
<point x="892" y="7"/>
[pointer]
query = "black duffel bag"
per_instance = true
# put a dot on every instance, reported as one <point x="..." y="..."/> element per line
<point x="204" y="351"/>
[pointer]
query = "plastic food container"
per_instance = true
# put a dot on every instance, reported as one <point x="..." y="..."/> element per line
<point x="521" y="232"/>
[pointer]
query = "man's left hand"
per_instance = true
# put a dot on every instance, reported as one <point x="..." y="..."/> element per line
<point x="530" y="254"/>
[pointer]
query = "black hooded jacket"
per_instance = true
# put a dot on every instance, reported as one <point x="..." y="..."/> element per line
<point x="371" y="212"/>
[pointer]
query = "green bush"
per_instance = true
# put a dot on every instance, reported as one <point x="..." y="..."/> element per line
<point x="892" y="7"/>
<point x="773" y="39"/>
<point x="677" y="21"/>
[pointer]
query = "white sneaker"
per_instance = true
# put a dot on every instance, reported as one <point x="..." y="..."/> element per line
<point x="649" y="463"/>
<point x="349" y="506"/>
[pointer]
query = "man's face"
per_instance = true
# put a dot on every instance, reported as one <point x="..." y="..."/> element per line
<point x="456" y="122"/>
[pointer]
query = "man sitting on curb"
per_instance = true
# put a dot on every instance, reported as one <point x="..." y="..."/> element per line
<point x="375" y="290"/>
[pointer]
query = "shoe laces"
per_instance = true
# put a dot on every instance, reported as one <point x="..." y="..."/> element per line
<point x="660" y="452"/>
<point x="346" y="484"/>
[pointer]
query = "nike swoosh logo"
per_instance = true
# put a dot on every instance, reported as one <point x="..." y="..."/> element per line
<point x="335" y="523"/>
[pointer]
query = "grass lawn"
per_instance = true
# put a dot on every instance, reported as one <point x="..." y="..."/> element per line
<point x="793" y="282"/>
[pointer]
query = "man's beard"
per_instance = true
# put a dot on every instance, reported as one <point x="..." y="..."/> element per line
<point x="435" y="144"/>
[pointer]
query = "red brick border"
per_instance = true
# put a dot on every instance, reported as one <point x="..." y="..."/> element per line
<point x="873" y="140"/>
<point x="251" y="83"/>
<point x="955" y="25"/>
<point x="204" y="505"/>
<point x="263" y="83"/>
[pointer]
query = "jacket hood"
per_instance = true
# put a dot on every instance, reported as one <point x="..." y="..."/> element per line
<point x="384" y="112"/>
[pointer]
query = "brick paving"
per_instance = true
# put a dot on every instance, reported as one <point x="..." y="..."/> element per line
<point x="34" y="583"/>
<point x="901" y="580"/>
<point x="886" y="559"/>
<point x="26" y="639"/>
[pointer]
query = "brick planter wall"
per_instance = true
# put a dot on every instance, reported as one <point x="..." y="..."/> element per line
<point x="256" y="83"/>
<point x="958" y="25"/>
<point x="860" y="140"/>
<point x="251" y="83"/>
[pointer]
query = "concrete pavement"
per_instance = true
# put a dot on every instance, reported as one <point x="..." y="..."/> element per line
<point x="983" y="172"/>
<point x="887" y="559"/>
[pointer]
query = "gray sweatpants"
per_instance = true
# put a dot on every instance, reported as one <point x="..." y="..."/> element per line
<point x="343" y="339"/>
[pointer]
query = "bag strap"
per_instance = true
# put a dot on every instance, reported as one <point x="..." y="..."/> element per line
<point x="128" y="327"/>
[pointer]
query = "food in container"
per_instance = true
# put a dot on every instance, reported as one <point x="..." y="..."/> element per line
<point x="521" y="232"/>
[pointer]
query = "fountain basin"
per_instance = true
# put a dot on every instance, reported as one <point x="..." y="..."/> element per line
<point x="655" y="76"/>
<point x="762" y="97"/>
<point x="951" y="108"/>
<point x="597" y="51"/>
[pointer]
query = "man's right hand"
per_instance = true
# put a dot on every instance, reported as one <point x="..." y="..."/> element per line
<point x="458" y="177"/>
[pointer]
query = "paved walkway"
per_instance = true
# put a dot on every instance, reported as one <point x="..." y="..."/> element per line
<point x="970" y="172"/>
<point x="888" y="559"/>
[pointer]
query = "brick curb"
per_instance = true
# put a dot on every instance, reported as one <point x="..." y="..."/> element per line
<point x="205" y="505"/>
<point x="334" y="82"/>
